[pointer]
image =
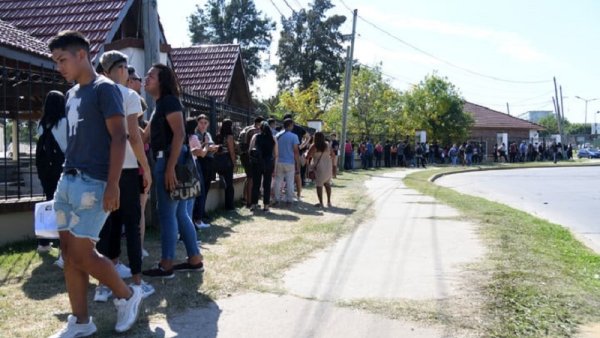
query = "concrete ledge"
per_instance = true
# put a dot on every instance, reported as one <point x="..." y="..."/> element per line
<point x="434" y="177"/>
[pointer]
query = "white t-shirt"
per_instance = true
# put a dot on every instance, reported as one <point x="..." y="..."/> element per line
<point x="132" y="105"/>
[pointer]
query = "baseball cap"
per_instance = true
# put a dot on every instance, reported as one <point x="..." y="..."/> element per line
<point x="111" y="58"/>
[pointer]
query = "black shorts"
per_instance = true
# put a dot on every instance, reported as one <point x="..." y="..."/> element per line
<point x="245" y="160"/>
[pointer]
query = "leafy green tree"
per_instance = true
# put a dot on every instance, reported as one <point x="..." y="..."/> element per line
<point x="436" y="106"/>
<point x="310" y="48"/>
<point x="234" y="21"/>
<point x="579" y="129"/>
<point x="551" y="125"/>
<point x="374" y="107"/>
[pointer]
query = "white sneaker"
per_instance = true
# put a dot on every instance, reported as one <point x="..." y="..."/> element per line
<point x="128" y="309"/>
<point x="201" y="225"/>
<point x="60" y="262"/>
<point x="72" y="329"/>
<point x="147" y="289"/>
<point x="124" y="271"/>
<point x="44" y="248"/>
<point x="145" y="253"/>
<point x="103" y="293"/>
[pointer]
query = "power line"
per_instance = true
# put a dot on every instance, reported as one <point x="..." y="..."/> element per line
<point x="299" y="4"/>
<point x="277" y="8"/>
<point x="402" y="41"/>
<point x="290" y="7"/>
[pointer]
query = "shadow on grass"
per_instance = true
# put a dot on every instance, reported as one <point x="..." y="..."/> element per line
<point x="16" y="259"/>
<point x="340" y="210"/>
<point x="46" y="280"/>
<point x="187" y="311"/>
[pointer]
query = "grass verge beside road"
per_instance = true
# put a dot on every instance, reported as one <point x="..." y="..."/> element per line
<point x="540" y="280"/>
<point x="243" y="252"/>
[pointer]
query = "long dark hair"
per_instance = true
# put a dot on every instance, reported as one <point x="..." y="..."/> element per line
<point x="54" y="109"/>
<point x="190" y="127"/>
<point x="226" y="128"/>
<point x="167" y="81"/>
<point x="265" y="131"/>
<point x="319" y="141"/>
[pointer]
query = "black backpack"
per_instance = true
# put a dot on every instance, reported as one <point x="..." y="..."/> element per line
<point x="49" y="158"/>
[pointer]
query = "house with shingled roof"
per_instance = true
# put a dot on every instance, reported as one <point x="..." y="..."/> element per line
<point x="215" y="71"/>
<point x="108" y="24"/>
<point x="211" y="70"/>
<point x="493" y="127"/>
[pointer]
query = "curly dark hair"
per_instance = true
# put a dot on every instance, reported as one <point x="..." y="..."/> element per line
<point x="167" y="80"/>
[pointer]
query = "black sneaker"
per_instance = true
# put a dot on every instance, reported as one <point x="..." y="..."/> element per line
<point x="189" y="267"/>
<point x="159" y="272"/>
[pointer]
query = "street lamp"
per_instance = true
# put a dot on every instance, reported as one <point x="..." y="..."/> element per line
<point x="586" y="105"/>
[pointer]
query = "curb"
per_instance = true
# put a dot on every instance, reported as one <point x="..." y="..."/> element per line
<point x="433" y="178"/>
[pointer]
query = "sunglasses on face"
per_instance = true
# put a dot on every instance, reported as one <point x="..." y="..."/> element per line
<point x="135" y="79"/>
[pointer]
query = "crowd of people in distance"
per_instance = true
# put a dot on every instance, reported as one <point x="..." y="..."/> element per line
<point x="405" y="154"/>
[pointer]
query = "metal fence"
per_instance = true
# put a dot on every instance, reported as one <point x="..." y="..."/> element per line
<point x="23" y="88"/>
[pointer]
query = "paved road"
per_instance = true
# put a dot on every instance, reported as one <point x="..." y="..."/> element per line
<point x="567" y="196"/>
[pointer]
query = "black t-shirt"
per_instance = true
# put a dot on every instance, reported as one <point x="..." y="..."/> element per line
<point x="160" y="132"/>
<point x="265" y="145"/>
<point x="299" y="131"/>
<point x="335" y="145"/>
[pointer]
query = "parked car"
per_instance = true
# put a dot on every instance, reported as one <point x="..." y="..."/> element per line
<point x="588" y="153"/>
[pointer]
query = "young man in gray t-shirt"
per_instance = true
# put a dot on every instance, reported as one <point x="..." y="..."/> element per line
<point x="89" y="186"/>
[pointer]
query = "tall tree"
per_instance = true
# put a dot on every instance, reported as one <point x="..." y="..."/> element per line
<point x="436" y="106"/>
<point x="234" y="21"/>
<point x="310" y="48"/>
<point x="375" y="104"/>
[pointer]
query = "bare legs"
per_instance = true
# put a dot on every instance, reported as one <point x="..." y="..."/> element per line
<point x="81" y="261"/>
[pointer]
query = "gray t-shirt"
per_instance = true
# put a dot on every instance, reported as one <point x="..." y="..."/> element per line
<point x="88" y="139"/>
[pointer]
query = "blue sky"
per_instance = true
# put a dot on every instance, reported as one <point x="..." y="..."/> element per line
<point x="527" y="40"/>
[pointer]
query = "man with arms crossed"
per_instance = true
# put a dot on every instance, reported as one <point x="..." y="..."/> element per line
<point x="89" y="186"/>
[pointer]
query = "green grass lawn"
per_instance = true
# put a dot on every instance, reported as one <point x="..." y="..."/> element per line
<point x="242" y="251"/>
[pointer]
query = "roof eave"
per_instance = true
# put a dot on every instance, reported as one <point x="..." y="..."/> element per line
<point x="115" y="27"/>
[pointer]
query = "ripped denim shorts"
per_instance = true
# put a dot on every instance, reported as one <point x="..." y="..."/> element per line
<point x="78" y="204"/>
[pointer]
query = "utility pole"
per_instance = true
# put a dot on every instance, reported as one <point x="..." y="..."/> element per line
<point x="151" y="41"/>
<point x="348" y="80"/>
<point x="559" y="114"/>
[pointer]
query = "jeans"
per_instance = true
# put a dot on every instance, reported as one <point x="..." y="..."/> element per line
<point x="264" y="174"/>
<point x="348" y="161"/>
<point x="174" y="216"/>
<point x="128" y="215"/>
<point x="287" y="172"/>
<point x="469" y="159"/>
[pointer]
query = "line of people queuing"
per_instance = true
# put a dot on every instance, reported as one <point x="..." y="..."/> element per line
<point x="98" y="160"/>
<point x="403" y="154"/>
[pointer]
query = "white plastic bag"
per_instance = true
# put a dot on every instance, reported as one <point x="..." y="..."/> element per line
<point x="45" y="220"/>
